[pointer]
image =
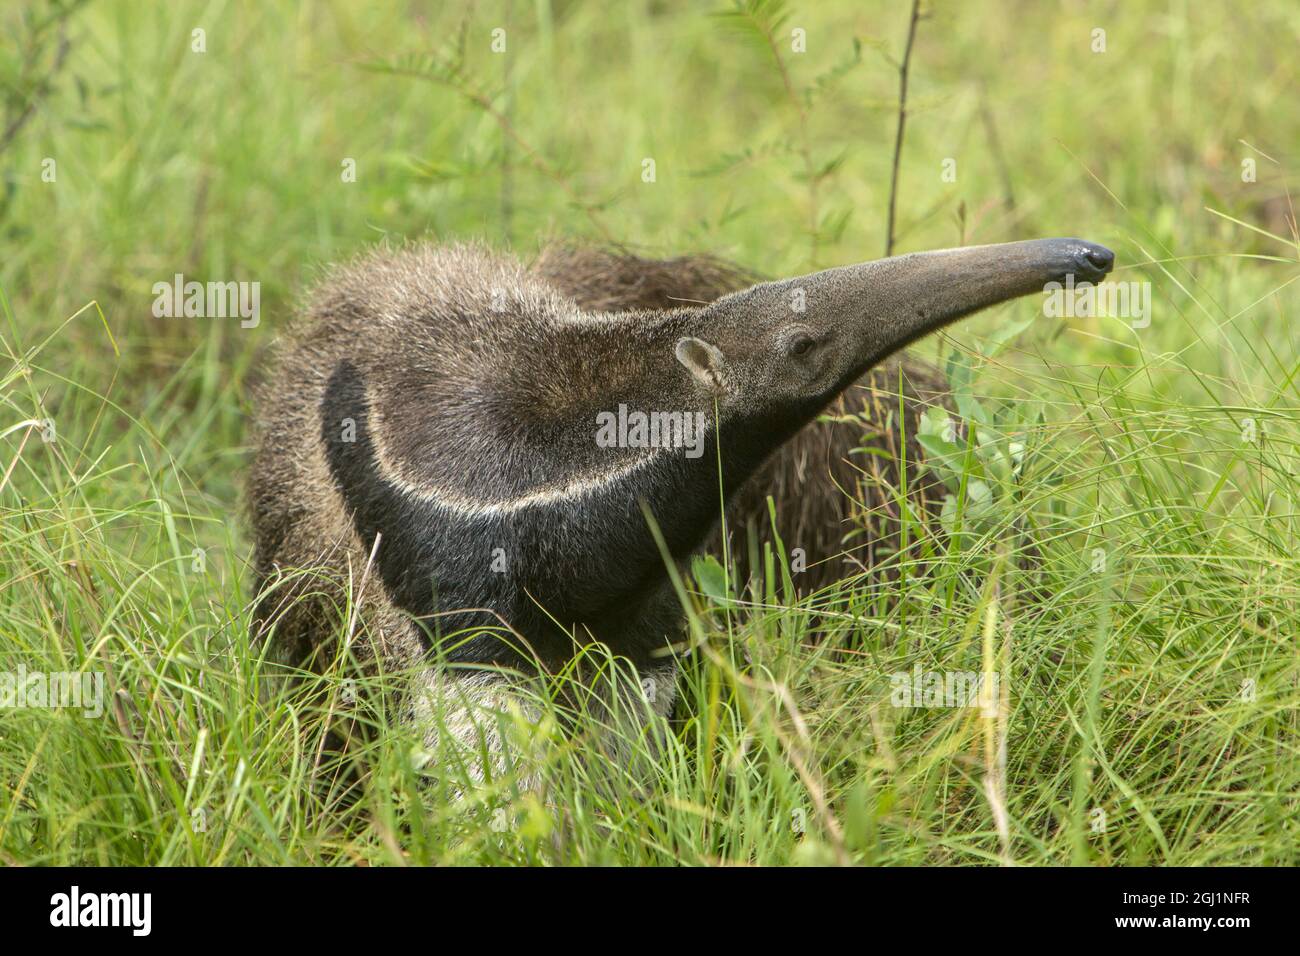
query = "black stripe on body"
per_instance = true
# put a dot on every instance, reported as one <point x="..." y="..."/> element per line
<point x="591" y="561"/>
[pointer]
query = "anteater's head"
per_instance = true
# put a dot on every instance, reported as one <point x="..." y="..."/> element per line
<point x="786" y="348"/>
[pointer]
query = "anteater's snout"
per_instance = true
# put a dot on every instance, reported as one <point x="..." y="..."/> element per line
<point x="1092" y="261"/>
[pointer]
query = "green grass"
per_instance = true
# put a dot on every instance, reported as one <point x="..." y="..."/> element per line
<point x="1148" y="652"/>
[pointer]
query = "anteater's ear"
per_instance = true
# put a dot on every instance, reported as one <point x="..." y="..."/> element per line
<point x="704" y="361"/>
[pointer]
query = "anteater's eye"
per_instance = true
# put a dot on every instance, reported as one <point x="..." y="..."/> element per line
<point x="802" y="345"/>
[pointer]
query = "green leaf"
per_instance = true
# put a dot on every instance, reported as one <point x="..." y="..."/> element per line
<point x="712" y="578"/>
<point x="1000" y="339"/>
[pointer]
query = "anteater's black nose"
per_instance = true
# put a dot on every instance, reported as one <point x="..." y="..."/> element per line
<point x="1094" y="260"/>
<point x="1101" y="257"/>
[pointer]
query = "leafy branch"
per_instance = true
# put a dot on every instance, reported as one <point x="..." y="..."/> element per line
<point x="449" y="70"/>
<point x="761" y="21"/>
<point x="37" y="69"/>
